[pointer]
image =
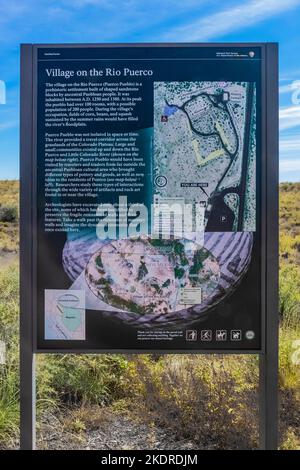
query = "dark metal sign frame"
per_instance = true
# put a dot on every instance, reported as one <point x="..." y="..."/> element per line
<point x="268" y="355"/>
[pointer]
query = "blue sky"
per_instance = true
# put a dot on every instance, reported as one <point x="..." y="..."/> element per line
<point x="49" y="21"/>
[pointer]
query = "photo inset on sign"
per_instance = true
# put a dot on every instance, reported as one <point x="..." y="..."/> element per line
<point x="205" y="149"/>
<point x="64" y="314"/>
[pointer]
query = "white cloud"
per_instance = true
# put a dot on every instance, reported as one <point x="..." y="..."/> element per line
<point x="289" y="165"/>
<point x="289" y="117"/>
<point x="289" y="144"/>
<point x="290" y="87"/>
<point x="230" y="19"/>
<point x="289" y="162"/>
<point x="91" y="20"/>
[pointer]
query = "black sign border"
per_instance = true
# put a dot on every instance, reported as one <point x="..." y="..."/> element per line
<point x="269" y="198"/>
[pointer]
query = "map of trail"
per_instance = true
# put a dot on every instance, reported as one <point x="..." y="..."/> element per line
<point x="205" y="150"/>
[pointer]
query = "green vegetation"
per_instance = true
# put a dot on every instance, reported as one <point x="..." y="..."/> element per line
<point x="209" y="400"/>
<point x="9" y="193"/>
<point x="289" y="309"/>
<point x="157" y="242"/>
<point x="206" y="399"/>
<point x="119" y="302"/>
<point x="199" y="257"/>
<point x="289" y="246"/>
<point x="9" y="380"/>
<point x="289" y="210"/>
<point x="142" y="270"/>
<point x="9" y="228"/>
<point x="179" y="250"/>
<point x="178" y="272"/>
<point x="86" y="379"/>
<point x="99" y="261"/>
<point x="289" y="302"/>
<point x="156" y="287"/>
<point x="8" y="213"/>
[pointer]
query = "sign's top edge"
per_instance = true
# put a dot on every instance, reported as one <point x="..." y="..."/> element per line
<point x="151" y="44"/>
<point x="148" y="51"/>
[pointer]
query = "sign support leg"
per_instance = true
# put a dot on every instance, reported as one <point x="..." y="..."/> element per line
<point x="268" y="360"/>
<point x="27" y="399"/>
<point x="27" y="357"/>
<point x="268" y="402"/>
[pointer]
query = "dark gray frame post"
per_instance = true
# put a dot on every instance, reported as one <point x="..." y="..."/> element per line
<point x="27" y="358"/>
<point x="268" y="360"/>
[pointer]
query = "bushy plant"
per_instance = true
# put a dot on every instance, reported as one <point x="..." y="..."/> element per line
<point x="289" y="367"/>
<point x="289" y="208"/>
<point x="9" y="192"/>
<point x="8" y="213"/>
<point x="86" y="378"/>
<point x="9" y="380"/>
<point x="289" y="298"/>
<point x="211" y="401"/>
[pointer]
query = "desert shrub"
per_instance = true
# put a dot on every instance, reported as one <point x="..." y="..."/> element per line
<point x="289" y="368"/>
<point x="8" y="213"/>
<point x="289" y="187"/>
<point x="8" y="241"/>
<point x="77" y="379"/>
<point x="209" y="400"/>
<point x="9" y="232"/>
<point x="289" y="298"/>
<point x="9" y="379"/>
<point x="289" y="248"/>
<point x="290" y="441"/>
<point x="289" y="209"/>
<point x="9" y="192"/>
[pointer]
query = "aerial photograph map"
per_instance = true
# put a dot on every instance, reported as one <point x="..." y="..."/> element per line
<point x="148" y="274"/>
<point x="205" y="153"/>
<point x="204" y="149"/>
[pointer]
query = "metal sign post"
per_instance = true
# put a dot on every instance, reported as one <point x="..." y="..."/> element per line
<point x="268" y="360"/>
<point x="27" y="359"/>
<point x="260" y="80"/>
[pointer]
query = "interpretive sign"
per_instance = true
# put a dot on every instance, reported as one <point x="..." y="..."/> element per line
<point x="148" y="171"/>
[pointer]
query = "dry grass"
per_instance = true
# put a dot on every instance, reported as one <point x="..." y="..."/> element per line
<point x="9" y="237"/>
<point x="81" y="418"/>
<point x="9" y="231"/>
<point x="209" y="400"/>
<point x="9" y="192"/>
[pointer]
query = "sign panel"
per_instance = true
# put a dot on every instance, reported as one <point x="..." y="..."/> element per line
<point x="147" y="178"/>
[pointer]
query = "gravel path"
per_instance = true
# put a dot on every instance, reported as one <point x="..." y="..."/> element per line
<point x="118" y="432"/>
